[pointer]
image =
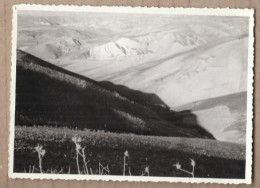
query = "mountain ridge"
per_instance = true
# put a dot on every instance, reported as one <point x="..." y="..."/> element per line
<point x="49" y="95"/>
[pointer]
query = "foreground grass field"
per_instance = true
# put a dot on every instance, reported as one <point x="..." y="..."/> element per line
<point x="213" y="158"/>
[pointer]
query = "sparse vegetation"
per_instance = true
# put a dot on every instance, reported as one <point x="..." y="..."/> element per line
<point x="192" y="163"/>
<point x="145" y="155"/>
<point x="146" y="171"/>
<point x="126" y="156"/>
<point x="136" y="123"/>
<point x="41" y="152"/>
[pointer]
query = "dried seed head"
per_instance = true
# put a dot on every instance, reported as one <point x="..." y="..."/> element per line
<point x="177" y="165"/>
<point x="76" y="139"/>
<point x="192" y="162"/>
<point x="42" y="152"/>
<point x="79" y="139"/>
<point x="126" y="154"/>
<point x="38" y="148"/>
<point x="146" y="169"/>
<point x="78" y="146"/>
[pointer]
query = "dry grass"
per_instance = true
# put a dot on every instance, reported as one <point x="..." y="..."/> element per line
<point x="105" y="153"/>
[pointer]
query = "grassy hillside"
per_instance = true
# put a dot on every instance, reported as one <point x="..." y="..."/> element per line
<point x="49" y="95"/>
<point x="214" y="159"/>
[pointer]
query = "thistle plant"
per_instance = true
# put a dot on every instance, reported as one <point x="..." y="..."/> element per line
<point x="147" y="170"/>
<point x="84" y="160"/>
<point x="31" y="169"/>
<point x="192" y="163"/>
<point x="129" y="171"/>
<point x="80" y="151"/>
<point x="41" y="152"/>
<point x="78" y="147"/>
<point x="126" y="156"/>
<point x="102" y="170"/>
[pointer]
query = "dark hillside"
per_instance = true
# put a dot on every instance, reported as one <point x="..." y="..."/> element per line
<point x="49" y="95"/>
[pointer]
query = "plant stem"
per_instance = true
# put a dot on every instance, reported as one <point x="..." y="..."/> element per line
<point x="40" y="161"/>
<point x="84" y="160"/>
<point x="99" y="167"/>
<point x="129" y="170"/>
<point x="185" y="171"/>
<point x="77" y="158"/>
<point x="124" y="167"/>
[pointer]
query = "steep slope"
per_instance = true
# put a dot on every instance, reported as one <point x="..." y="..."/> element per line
<point x="224" y="117"/>
<point x="49" y="95"/>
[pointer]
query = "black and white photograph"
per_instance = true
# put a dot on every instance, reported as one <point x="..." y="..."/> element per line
<point x="135" y="94"/>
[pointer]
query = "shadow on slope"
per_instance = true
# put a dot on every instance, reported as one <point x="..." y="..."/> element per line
<point x="49" y="95"/>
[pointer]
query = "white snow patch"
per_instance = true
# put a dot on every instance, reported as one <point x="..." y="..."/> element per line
<point x="121" y="48"/>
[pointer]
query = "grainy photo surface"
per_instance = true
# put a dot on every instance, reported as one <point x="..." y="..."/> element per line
<point x="117" y="94"/>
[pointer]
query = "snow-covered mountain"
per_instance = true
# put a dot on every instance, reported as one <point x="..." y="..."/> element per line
<point x="167" y="55"/>
<point x="181" y="59"/>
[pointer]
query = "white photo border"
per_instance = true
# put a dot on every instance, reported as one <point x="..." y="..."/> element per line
<point x="137" y="10"/>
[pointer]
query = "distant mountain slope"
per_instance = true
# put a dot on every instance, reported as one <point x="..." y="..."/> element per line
<point x="181" y="59"/>
<point x="49" y="95"/>
<point x="224" y="117"/>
